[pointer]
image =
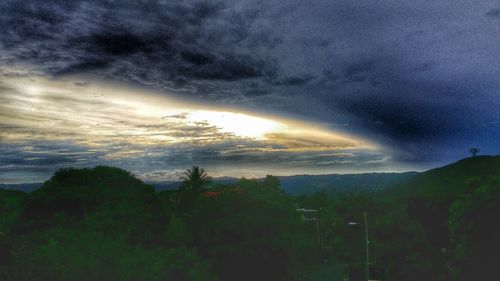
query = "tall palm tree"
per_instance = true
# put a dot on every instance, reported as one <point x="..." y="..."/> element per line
<point x="195" y="179"/>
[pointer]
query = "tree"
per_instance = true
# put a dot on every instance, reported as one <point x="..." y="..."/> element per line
<point x="473" y="229"/>
<point x="193" y="182"/>
<point x="251" y="232"/>
<point x="195" y="179"/>
<point x="474" y="151"/>
<point x="94" y="224"/>
<point x="271" y="182"/>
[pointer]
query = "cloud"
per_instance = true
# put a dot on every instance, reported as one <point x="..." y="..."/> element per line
<point x="184" y="40"/>
<point x="35" y="161"/>
<point x="48" y="124"/>
<point x="494" y="13"/>
<point x="418" y="76"/>
<point x="359" y="72"/>
<point x="161" y="175"/>
<point x="306" y="141"/>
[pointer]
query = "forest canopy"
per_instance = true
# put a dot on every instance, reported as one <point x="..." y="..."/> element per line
<point x="103" y="223"/>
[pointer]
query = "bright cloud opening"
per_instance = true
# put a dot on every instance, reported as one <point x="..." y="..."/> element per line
<point x="102" y="123"/>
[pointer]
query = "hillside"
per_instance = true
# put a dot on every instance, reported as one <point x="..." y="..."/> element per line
<point x="438" y="182"/>
<point x="444" y="201"/>
<point x="310" y="184"/>
<point x="449" y="181"/>
<point x="331" y="184"/>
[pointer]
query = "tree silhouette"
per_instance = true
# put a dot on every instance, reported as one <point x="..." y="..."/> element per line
<point x="474" y="151"/>
<point x="193" y="182"/>
<point x="195" y="179"/>
<point x="271" y="182"/>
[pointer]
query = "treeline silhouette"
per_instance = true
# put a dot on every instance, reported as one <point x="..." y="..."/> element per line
<point x="102" y="223"/>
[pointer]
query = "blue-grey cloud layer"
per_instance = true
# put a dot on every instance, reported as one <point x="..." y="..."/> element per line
<point x="422" y="77"/>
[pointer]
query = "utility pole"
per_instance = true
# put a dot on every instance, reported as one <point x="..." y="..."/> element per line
<point x="367" y="246"/>
<point x="317" y="230"/>
<point x="367" y="243"/>
<point x="313" y="217"/>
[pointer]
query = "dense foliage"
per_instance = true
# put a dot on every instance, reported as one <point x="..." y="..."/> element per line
<point x="104" y="224"/>
<point x="94" y="224"/>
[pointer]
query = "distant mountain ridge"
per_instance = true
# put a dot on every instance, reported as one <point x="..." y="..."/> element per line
<point x="293" y="185"/>
<point x="309" y="184"/>
<point x="338" y="183"/>
<point x="439" y="181"/>
<point x="25" y="187"/>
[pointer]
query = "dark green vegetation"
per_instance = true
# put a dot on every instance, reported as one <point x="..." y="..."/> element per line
<point x="104" y="224"/>
<point x="459" y="208"/>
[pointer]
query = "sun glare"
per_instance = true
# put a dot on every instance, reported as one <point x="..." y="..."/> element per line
<point x="239" y="124"/>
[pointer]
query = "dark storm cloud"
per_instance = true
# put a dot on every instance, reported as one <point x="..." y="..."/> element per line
<point x="359" y="72"/>
<point x="295" y="80"/>
<point x="42" y="158"/>
<point x="412" y="111"/>
<point x="419" y="76"/>
<point x="181" y="40"/>
<point x="399" y="106"/>
<point x="495" y="13"/>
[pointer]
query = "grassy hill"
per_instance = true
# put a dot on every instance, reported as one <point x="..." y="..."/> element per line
<point x="449" y="181"/>
<point x="436" y="198"/>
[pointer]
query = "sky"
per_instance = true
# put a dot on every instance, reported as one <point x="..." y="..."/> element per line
<point x="246" y="88"/>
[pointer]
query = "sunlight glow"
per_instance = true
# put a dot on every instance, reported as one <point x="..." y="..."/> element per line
<point x="238" y="124"/>
<point x="105" y="116"/>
